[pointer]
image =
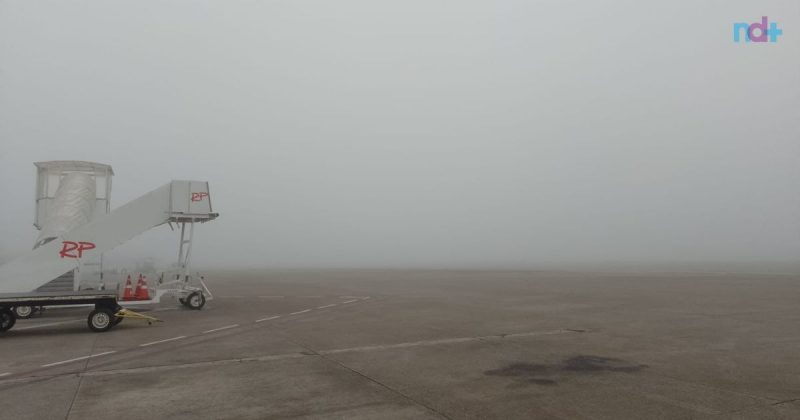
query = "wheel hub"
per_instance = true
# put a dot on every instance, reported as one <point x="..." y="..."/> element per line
<point x="101" y="320"/>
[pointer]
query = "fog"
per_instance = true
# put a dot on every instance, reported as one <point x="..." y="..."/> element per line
<point x="417" y="134"/>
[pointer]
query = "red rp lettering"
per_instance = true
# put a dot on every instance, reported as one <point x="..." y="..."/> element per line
<point x="70" y="249"/>
<point x="199" y="196"/>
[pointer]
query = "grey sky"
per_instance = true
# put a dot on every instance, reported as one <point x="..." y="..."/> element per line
<point x="418" y="133"/>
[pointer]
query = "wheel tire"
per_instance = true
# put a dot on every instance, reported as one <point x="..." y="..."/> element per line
<point x="182" y="301"/>
<point x="195" y="301"/>
<point x="23" y="312"/>
<point x="101" y="320"/>
<point x="7" y="319"/>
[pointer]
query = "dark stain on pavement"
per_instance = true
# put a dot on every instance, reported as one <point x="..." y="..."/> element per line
<point x="599" y="363"/>
<point x="547" y="374"/>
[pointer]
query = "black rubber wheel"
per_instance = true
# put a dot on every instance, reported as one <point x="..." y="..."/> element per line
<point x="117" y="320"/>
<point x="7" y="319"/>
<point x="195" y="301"/>
<point x="23" y="312"/>
<point x="101" y="319"/>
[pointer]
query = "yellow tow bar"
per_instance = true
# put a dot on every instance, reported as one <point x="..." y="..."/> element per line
<point x="127" y="313"/>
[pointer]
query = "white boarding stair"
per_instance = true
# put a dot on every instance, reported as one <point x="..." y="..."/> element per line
<point x="177" y="201"/>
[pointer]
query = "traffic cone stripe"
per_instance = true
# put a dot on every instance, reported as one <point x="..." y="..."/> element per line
<point x="142" y="292"/>
<point x="128" y="293"/>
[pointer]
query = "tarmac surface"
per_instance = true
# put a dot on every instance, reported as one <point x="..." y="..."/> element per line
<point x="433" y="344"/>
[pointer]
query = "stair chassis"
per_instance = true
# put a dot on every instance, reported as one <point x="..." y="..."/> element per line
<point x="102" y="318"/>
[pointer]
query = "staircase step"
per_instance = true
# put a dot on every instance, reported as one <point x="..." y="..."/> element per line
<point x="62" y="283"/>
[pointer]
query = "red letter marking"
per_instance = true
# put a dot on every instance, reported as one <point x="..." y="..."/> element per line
<point x="199" y="196"/>
<point x="68" y="247"/>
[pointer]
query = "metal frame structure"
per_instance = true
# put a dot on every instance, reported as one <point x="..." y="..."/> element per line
<point x="183" y="258"/>
<point x="46" y="171"/>
<point x="180" y="283"/>
<point x="49" y="176"/>
<point x="179" y="202"/>
<point x="106" y="314"/>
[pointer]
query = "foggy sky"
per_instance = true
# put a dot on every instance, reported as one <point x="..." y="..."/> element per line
<point x="439" y="134"/>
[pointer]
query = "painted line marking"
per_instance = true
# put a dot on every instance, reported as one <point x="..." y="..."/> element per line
<point x="5" y="374"/>
<point x="207" y="332"/>
<point x="271" y="297"/>
<point x="193" y="365"/>
<point x="221" y="328"/>
<point x="51" y="324"/>
<point x="162" y="341"/>
<point x="78" y="358"/>
<point x="267" y="358"/>
<point x="444" y="341"/>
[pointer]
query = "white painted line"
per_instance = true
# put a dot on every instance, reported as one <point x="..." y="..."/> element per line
<point x="78" y="358"/>
<point x="51" y="324"/>
<point x="446" y="341"/>
<point x="162" y="341"/>
<point x="272" y="297"/>
<point x="267" y="319"/>
<point x="221" y="328"/>
<point x="160" y="368"/>
<point x="443" y="341"/>
<point x="5" y="374"/>
<point x="300" y="312"/>
<point x="326" y="306"/>
<point x="350" y="301"/>
<point x="232" y="297"/>
<point x="365" y="298"/>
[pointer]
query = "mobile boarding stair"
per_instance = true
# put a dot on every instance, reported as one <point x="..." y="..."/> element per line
<point x="184" y="203"/>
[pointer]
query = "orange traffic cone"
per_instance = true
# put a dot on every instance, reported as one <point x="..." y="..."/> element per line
<point x="128" y="293"/>
<point x="142" y="292"/>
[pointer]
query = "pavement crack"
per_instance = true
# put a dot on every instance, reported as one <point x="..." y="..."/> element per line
<point x="364" y="376"/>
<point x="385" y="386"/>
<point x="786" y="401"/>
<point x="80" y="379"/>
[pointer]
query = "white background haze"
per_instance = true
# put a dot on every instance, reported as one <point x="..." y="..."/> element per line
<point x="436" y="134"/>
